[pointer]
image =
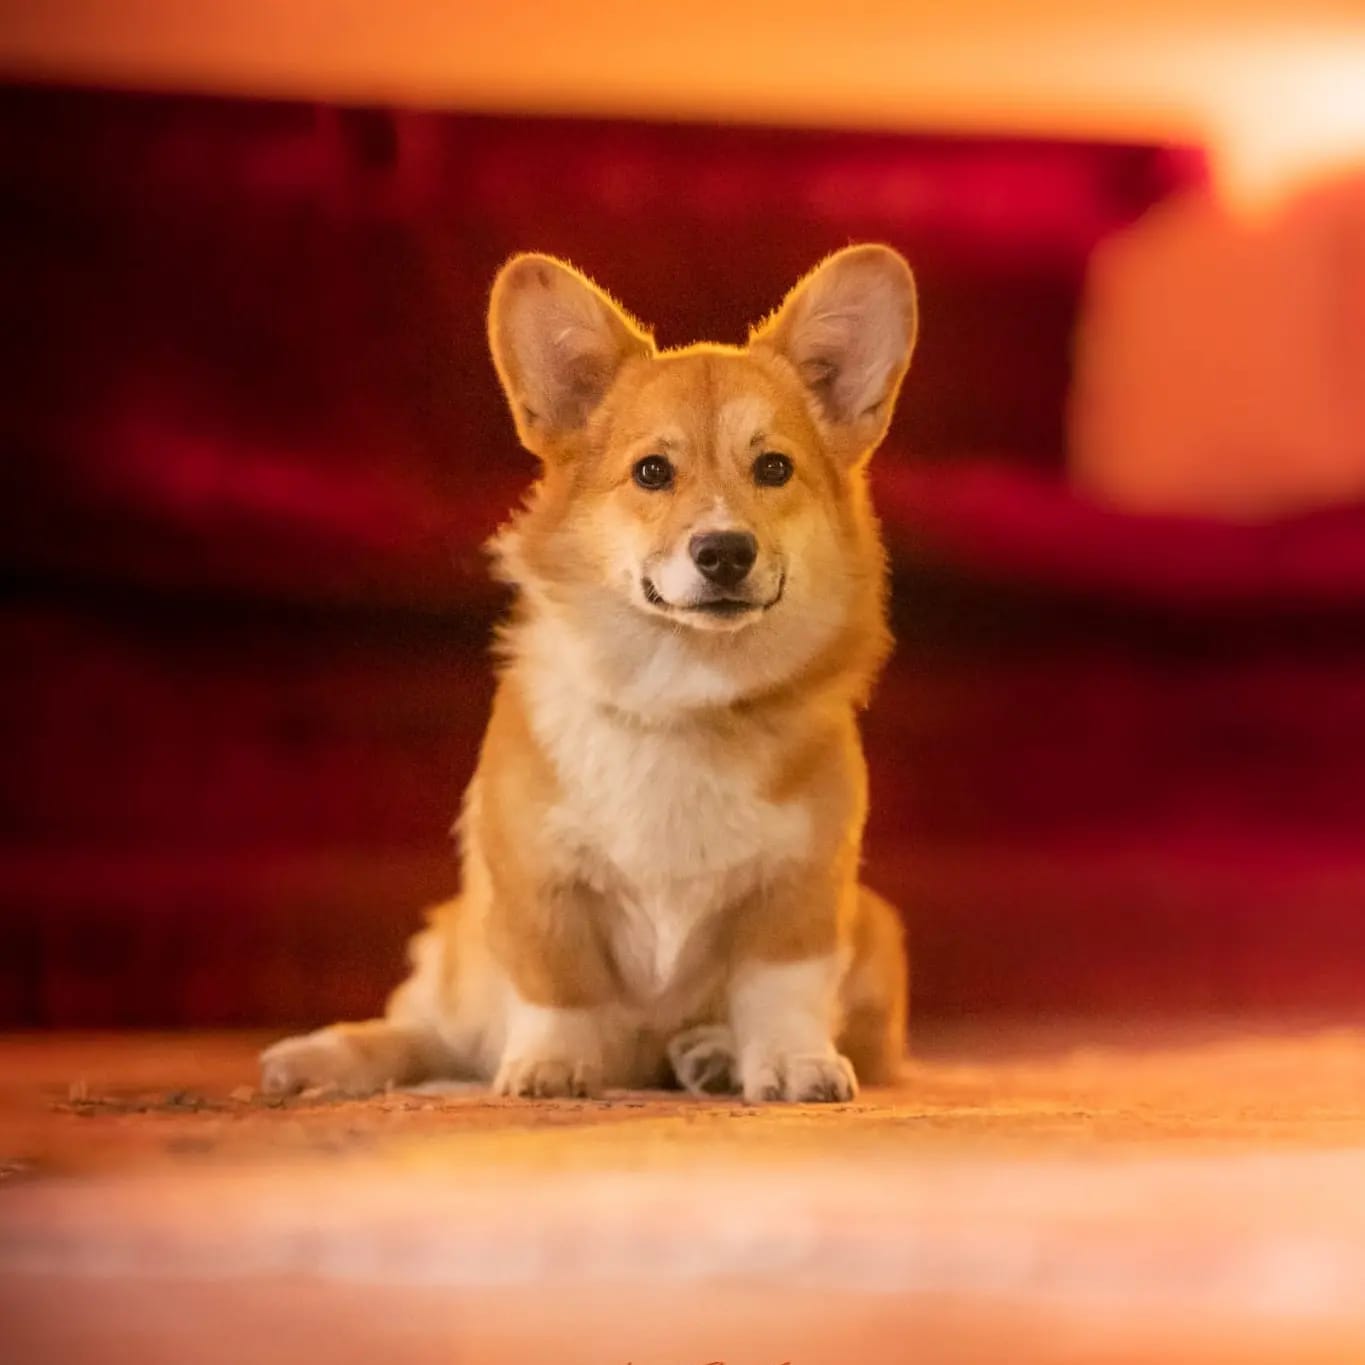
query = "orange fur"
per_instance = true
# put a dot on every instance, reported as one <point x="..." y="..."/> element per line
<point x="660" y="844"/>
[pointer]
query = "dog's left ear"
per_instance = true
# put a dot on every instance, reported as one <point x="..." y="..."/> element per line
<point x="848" y="329"/>
<point x="558" y="343"/>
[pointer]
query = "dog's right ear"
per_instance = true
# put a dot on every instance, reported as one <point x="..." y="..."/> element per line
<point x="558" y="343"/>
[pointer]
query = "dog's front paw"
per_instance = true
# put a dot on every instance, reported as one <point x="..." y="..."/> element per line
<point x="801" y="1078"/>
<point x="704" y="1060"/>
<point x="548" y="1078"/>
<point x="325" y="1060"/>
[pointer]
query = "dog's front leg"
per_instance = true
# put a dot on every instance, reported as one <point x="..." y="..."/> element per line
<point x="551" y="1052"/>
<point x="783" y="999"/>
<point x="560" y="1022"/>
<point x="782" y="1014"/>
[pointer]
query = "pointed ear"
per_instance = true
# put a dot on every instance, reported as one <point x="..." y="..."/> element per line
<point x="558" y="342"/>
<point x="848" y="329"/>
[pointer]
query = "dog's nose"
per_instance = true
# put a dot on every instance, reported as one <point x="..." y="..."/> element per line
<point x="724" y="557"/>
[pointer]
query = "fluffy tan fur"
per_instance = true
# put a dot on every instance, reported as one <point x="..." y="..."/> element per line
<point x="661" y="841"/>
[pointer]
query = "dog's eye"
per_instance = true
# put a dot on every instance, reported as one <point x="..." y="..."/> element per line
<point x="653" y="472"/>
<point x="772" y="470"/>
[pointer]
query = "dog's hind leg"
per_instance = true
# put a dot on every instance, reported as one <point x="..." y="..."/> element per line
<point x="406" y="1047"/>
<point x="704" y="1060"/>
<point x="874" y="993"/>
<point x="354" y="1058"/>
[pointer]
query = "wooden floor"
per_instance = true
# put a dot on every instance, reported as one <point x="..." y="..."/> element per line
<point x="1039" y="1195"/>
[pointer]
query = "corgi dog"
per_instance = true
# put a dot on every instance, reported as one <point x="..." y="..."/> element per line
<point x="660" y="844"/>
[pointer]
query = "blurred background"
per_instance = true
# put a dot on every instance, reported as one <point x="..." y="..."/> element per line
<point x="252" y="445"/>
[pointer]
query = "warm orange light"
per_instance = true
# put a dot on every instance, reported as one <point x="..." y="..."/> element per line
<point x="1288" y="114"/>
<point x="1275" y="87"/>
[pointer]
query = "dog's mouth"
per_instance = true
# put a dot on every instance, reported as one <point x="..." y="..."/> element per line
<point x="719" y="608"/>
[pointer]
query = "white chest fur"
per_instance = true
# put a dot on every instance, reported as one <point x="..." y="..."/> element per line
<point x="674" y="821"/>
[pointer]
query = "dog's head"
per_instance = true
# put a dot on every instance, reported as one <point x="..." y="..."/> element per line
<point x="711" y="491"/>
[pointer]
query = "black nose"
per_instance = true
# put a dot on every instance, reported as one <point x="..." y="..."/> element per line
<point x="725" y="557"/>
